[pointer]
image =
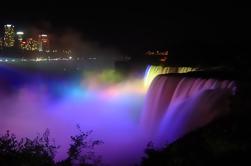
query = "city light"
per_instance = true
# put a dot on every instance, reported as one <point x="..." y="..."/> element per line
<point x="43" y="43"/>
<point x="20" y="33"/>
<point x="9" y="35"/>
<point x="17" y="43"/>
<point x="20" y="38"/>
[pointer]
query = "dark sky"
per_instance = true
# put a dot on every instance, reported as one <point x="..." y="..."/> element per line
<point x="137" y="29"/>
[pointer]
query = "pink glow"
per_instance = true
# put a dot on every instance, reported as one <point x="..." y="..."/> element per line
<point x="112" y="111"/>
<point x="119" y="111"/>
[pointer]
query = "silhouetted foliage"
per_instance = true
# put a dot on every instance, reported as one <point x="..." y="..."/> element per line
<point x="41" y="151"/>
<point x="81" y="151"/>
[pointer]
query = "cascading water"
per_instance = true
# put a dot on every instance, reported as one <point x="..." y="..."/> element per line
<point x="153" y="71"/>
<point x="176" y="105"/>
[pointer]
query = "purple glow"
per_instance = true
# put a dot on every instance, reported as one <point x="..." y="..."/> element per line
<point x="117" y="112"/>
<point x="111" y="111"/>
<point x="175" y="106"/>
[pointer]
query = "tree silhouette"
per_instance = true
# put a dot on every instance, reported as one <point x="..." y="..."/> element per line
<point x="41" y="150"/>
<point x="38" y="151"/>
<point x="81" y="151"/>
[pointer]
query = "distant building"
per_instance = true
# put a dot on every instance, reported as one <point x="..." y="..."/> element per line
<point x="9" y="35"/>
<point x="30" y="45"/>
<point x="20" y="35"/>
<point x="1" y="43"/>
<point x="43" y="43"/>
<point x="15" y="43"/>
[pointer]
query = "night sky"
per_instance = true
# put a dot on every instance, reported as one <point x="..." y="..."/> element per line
<point x="134" y="30"/>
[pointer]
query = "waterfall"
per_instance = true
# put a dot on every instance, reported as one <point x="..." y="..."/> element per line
<point x="176" y="105"/>
<point x="153" y="71"/>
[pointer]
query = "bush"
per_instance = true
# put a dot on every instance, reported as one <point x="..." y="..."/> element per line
<point x="41" y="150"/>
<point x="81" y="151"/>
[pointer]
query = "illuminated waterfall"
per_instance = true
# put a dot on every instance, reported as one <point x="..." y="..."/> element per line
<point x="153" y="71"/>
<point x="176" y="105"/>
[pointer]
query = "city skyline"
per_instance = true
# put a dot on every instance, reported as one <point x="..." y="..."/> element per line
<point x="195" y="35"/>
<point x="13" y="37"/>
